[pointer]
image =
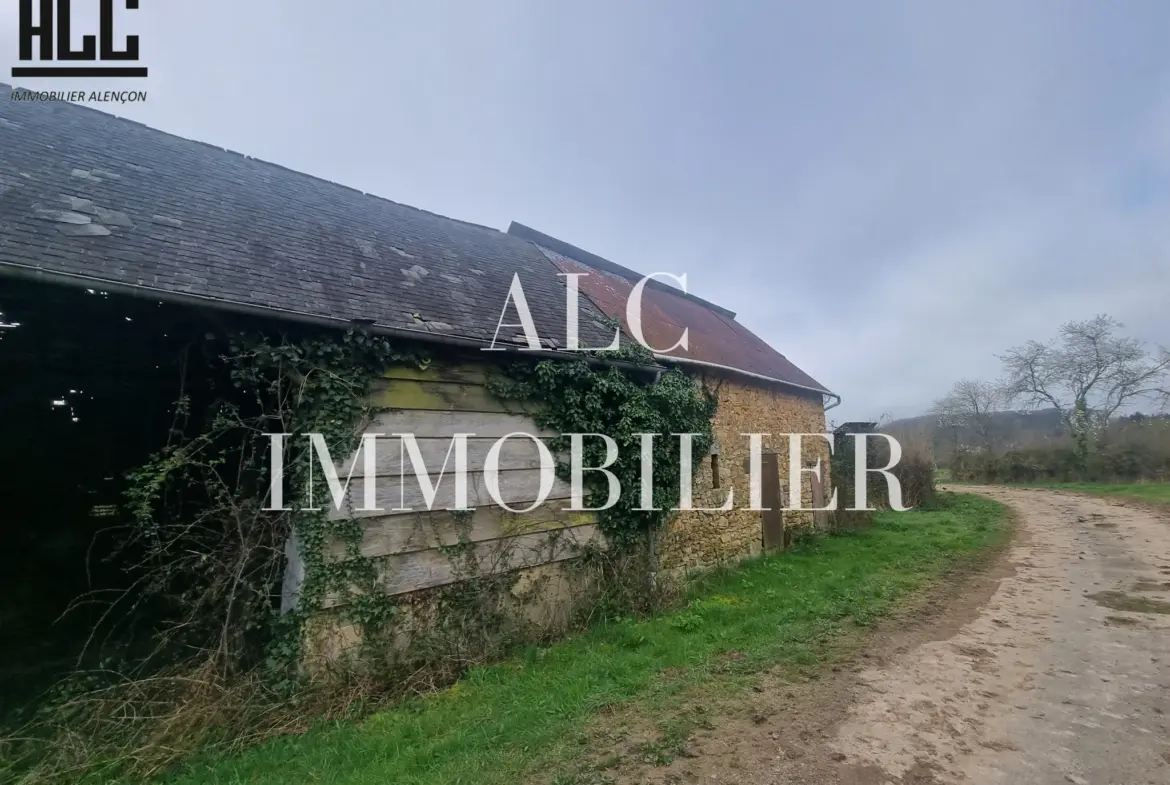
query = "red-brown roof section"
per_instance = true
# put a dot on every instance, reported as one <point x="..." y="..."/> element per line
<point x="714" y="336"/>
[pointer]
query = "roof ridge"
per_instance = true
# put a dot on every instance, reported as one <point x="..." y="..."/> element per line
<point x="263" y="161"/>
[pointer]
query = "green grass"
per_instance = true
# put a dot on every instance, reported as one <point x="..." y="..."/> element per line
<point x="1152" y="492"/>
<point x="538" y="715"/>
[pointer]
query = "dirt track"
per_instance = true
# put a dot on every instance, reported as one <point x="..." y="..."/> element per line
<point x="1052" y="667"/>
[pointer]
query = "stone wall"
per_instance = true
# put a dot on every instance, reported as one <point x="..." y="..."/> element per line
<point x="703" y="539"/>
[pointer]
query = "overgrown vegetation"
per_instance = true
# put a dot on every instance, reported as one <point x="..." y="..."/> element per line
<point x="226" y="664"/>
<point x="915" y="472"/>
<point x="576" y="397"/>
<point x="542" y="712"/>
<point x="1126" y="450"/>
<point x="916" y="477"/>
<point x="227" y="671"/>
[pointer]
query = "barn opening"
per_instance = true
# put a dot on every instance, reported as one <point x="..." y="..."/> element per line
<point x="89" y="381"/>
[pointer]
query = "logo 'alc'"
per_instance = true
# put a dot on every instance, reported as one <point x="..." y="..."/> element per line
<point x="46" y="39"/>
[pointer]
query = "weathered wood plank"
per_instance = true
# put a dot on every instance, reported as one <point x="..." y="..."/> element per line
<point x="517" y="488"/>
<point x="294" y="574"/>
<point x="392" y="534"/>
<point x="388" y="456"/>
<point x="461" y="373"/>
<point x="771" y="517"/>
<point x="441" y="396"/>
<point x="421" y="423"/>
<point x="407" y="572"/>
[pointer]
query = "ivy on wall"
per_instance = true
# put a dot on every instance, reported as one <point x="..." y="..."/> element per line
<point x="331" y="397"/>
<point x="577" y="397"/>
<point x="215" y="552"/>
<point x="211" y="549"/>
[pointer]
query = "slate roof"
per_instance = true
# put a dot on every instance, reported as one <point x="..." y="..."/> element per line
<point x="714" y="334"/>
<point x="85" y="195"/>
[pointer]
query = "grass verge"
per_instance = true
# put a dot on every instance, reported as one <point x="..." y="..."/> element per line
<point x="531" y="717"/>
<point x="1157" y="493"/>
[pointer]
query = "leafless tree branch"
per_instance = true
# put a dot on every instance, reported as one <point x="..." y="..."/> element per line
<point x="1087" y="373"/>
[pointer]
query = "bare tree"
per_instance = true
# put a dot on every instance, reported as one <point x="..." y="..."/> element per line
<point x="1087" y="374"/>
<point x="970" y="407"/>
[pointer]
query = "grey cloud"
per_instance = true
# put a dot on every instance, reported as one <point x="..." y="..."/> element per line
<point x="888" y="193"/>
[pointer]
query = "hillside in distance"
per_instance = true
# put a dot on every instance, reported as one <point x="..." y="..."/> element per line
<point x="1015" y="427"/>
<point x="1009" y="430"/>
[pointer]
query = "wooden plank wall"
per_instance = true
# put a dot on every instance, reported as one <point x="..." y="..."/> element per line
<point x="433" y="404"/>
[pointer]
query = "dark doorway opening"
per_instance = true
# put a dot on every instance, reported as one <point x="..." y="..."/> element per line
<point x="87" y="385"/>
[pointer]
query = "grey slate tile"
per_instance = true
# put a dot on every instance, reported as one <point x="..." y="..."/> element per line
<point x="194" y="219"/>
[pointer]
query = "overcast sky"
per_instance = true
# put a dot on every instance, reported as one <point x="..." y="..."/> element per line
<point x="887" y="192"/>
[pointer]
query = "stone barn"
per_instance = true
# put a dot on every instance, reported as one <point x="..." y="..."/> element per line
<point x="759" y="391"/>
<point x="167" y="238"/>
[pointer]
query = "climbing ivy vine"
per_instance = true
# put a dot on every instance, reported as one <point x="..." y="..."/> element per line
<point x="621" y="402"/>
<point x="211" y="547"/>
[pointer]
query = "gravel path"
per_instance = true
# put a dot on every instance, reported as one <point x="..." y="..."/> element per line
<point x="1051" y="668"/>
<point x="1063" y="677"/>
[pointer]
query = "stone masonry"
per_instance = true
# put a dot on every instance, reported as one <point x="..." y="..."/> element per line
<point x="702" y="539"/>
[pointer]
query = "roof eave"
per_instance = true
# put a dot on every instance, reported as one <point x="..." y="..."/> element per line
<point x="666" y="358"/>
<point x="31" y="272"/>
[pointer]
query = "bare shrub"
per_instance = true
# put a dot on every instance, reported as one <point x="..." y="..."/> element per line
<point x="915" y="473"/>
<point x="135" y="728"/>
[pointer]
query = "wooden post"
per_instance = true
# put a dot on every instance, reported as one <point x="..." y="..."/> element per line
<point x="820" y="517"/>
<point x="771" y="517"/>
